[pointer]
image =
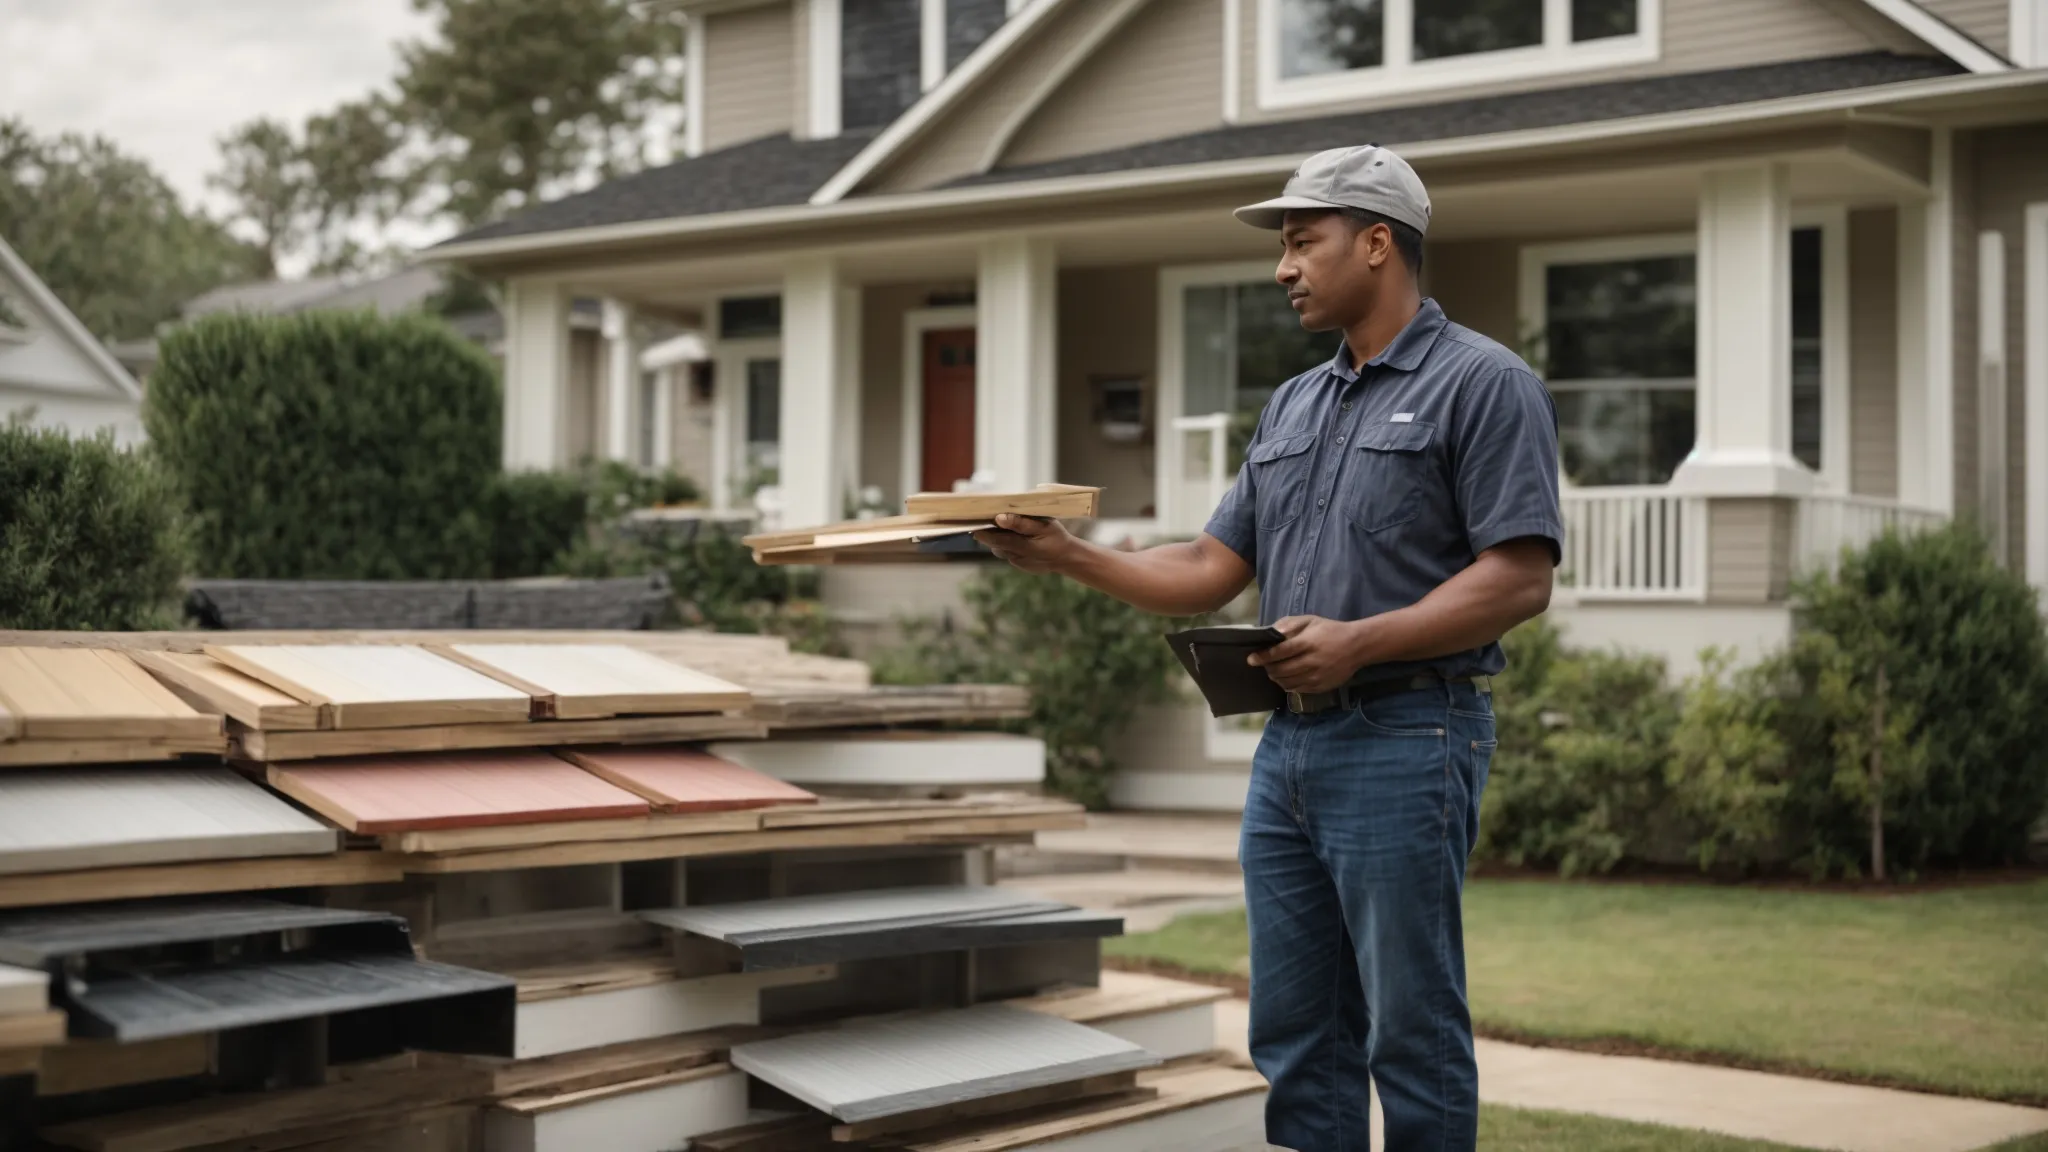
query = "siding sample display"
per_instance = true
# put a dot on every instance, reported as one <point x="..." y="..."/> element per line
<point x="685" y="780"/>
<point x="383" y="794"/>
<point x="592" y="681"/>
<point x="91" y="694"/>
<point x="884" y="1067"/>
<point x="55" y="820"/>
<point x="378" y="685"/>
<point x="903" y="759"/>
<point x="212" y="685"/>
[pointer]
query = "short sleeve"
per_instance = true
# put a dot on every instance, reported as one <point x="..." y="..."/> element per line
<point x="1235" y="521"/>
<point x="1505" y="445"/>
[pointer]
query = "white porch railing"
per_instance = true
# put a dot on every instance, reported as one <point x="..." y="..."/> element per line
<point x="1634" y="544"/>
<point x="1829" y="523"/>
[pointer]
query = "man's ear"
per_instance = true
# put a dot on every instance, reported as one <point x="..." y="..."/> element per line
<point x="1379" y="244"/>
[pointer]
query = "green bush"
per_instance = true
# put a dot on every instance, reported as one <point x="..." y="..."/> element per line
<point x="1088" y="660"/>
<point x="535" y="518"/>
<point x="330" y="445"/>
<point x="89" y="535"/>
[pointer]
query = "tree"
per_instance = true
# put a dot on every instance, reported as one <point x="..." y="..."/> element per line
<point x="106" y="233"/>
<point x="517" y="99"/>
<point x="355" y="182"/>
<point x="264" y="175"/>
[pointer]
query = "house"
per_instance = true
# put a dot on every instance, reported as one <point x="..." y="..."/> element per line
<point x="52" y="371"/>
<point x="1784" y="264"/>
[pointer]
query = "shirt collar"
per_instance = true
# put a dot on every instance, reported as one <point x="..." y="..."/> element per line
<point x="1406" y="351"/>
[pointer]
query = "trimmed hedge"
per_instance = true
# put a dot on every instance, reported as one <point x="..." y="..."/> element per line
<point x="339" y="446"/>
<point x="89" y="535"/>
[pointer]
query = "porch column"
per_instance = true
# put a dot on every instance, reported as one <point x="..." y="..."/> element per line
<point x="1016" y="377"/>
<point x="1926" y="348"/>
<point x="1744" y="338"/>
<point x="536" y="375"/>
<point x="664" y="417"/>
<point x="619" y="393"/>
<point x="820" y="392"/>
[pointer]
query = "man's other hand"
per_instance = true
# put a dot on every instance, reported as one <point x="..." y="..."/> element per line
<point x="1318" y="655"/>
<point x="1028" y="543"/>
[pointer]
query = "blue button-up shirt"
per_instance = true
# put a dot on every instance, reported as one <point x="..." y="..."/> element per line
<point x="1362" y="491"/>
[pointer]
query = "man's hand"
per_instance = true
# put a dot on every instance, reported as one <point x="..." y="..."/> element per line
<point x="1030" y="544"/>
<point x="1318" y="655"/>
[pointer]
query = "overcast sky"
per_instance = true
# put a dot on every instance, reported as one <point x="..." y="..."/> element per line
<point x="164" y="78"/>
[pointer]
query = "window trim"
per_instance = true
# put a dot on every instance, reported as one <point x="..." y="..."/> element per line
<point x="1400" y="73"/>
<point x="1174" y="281"/>
<point x="1836" y="370"/>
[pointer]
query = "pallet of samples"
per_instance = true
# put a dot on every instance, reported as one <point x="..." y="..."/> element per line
<point x="872" y="923"/>
<point x="87" y="705"/>
<point x="934" y="526"/>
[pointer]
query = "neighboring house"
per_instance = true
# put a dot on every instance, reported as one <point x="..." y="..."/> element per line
<point x="1784" y="264"/>
<point x="52" y="369"/>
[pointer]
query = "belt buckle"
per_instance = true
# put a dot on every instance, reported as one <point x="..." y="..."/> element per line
<point x="1296" y="704"/>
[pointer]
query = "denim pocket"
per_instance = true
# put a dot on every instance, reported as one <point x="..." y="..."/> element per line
<point x="1280" y="475"/>
<point x="1387" y="470"/>
<point x="1410" y="714"/>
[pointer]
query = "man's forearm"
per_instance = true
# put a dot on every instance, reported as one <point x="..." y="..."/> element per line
<point x="1168" y="580"/>
<point x="1472" y="609"/>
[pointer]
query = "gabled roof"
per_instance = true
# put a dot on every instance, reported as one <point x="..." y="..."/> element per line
<point x="68" y="325"/>
<point x="1939" y="34"/>
<point x="1519" y="111"/>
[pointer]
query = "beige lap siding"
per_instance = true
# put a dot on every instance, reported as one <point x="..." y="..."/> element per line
<point x="750" y="64"/>
<point x="1109" y="321"/>
<point x="1749" y="550"/>
<point x="1874" y="352"/>
<point x="1159" y="76"/>
<point x="1985" y="21"/>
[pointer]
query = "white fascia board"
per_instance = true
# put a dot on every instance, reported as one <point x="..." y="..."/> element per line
<point x="1941" y="35"/>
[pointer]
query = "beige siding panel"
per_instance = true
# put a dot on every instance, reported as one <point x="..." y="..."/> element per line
<point x="1749" y="543"/>
<point x="953" y="147"/>
<point x="1109" y="323"/>
<point x="1160" y="76"/>
<point x="1699" y="36"/>
<point x="1477" y="282"/>
<point x="585" y="402"/>
<point x="800" y="70"/>
<point x="2011" y="173"/>
<point x="750" y="66"/>
<point x="1873" y="352"/>
<point x="1984" y="21"/>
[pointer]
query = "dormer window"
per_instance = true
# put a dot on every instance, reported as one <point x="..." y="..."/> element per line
<point x="1317" y="51"/>
<point x="872" y="59"/>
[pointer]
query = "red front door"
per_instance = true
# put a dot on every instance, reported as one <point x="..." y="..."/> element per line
<point x="948" y="408"/>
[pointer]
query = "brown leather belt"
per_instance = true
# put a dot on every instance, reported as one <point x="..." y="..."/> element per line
<point x="1352" y="695"/>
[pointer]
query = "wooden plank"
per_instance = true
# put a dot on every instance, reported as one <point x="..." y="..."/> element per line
<point x="650" y="827"/>
<point x="592" y="681"/>
<point x="957" y="831"/>
<point x="32" y="1029"/>
<point x="278" y="746"/>
<point x="23" y="990"/>
<point x="91" y="694"/>
<point x="1051" y="501"/>
<point x="9" y="726"/>
<point x="796" y="536"/>
<point x="51" y="753"/>
<point x="1116" y="1083"/>
<point x="1123" y="995"/>
<point x="93" y="1065"/>
<point x="450" y="1128"/>
<point x="537" y="1105"/>
<point x="211" y="685"/>
<point x="389" y="794"/>
<point x="196" y="1123"/>
<point x="612" y="1064"/>
<point x="60" y="821"/>
<point x="378" y="686"/>
<point x="840" y="811"/>
<point x="1177" y="1092"/>
<point x="593" y="978"/>
<point x="46" y="888"/>
<point x="685" y="780"/>
<point x="750" y="921"/>
<point x="896" y="758"/>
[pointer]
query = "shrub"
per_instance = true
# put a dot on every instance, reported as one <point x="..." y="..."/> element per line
<point x="89" y="535"/>
<point x="535" y="518"/>
<point x="1727" y="776"/>
<point x="1925" y="646"/>
<point x="1088" y="660"/>
<point x="330" y="445"/>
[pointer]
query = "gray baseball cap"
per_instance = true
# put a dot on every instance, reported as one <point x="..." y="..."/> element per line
<point x="1368" y="177"/>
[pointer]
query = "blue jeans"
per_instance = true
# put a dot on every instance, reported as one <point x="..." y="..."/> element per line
<point x="1356" y="832"/>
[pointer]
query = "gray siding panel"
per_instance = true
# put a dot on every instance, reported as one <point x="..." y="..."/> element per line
<point x="1874" y="352"/>
<point x="750" y="63"/>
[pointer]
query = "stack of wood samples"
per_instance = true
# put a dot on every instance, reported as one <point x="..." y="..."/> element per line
<point x="934" y="526"/>
<point x="594" y="681"/>
<point x="86" y="705"/>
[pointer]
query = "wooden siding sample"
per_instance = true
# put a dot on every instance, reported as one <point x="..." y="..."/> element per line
<point x="593" y="681"/>
<point x="875" y="1068"/>
<point x="45" y="889"/>
<point x="652" y="1115"/>
<point x="1197" y="1107"/>
<point x="23" y="990"/>
<point x="56" y="821"/>
<point x="759" y="919"/>
<point x="385" y="794"/>
<point x="1055" y="501"/>
<point x="904" y="759"/>
<point x="378" y="686"/>
<point x="92" y="694"/>
<point x="686" y="780"/>
<point x="276" y="746"/>
<point x="874" y="942"/>
<point x="41" y="936"/>
<point x="207" y="683"/>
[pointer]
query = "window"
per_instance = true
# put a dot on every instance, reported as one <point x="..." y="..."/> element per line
<point x="764" y="411"/>
<point x="1614" y="335"/>
<point x="1321" y="50"/>
<point x="750" y="316"/>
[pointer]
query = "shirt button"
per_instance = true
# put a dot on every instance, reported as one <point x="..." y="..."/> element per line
<point x="1320" y="503"/>
<point x="1301" y="579"/>
<point x="1347" y="405"/>
<point x="1340" y="439"/>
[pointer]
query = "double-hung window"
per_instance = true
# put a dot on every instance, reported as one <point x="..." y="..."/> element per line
<point x="872" y="59"/>
<point x="1314" y="51"/>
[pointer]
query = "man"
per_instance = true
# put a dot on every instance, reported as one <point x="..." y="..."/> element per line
<point x="1399" y="507"/>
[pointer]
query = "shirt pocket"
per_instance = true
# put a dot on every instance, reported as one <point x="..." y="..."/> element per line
<point x="1280" y="475"/>
<point x="1389" y="464"/>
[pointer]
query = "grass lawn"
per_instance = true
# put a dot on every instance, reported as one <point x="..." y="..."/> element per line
<point x="1946" y="990"/>
<point x="1518" y="1130"/>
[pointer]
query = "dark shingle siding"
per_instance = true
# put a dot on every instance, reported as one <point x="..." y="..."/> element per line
<point x="880" y="64"/>
<point x="1518" y="112"/>
<point x="968" y="23"/>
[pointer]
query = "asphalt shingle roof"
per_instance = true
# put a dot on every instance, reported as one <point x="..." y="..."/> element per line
<point x="1521" y="111"/>
<point x="766" y="173"/>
